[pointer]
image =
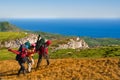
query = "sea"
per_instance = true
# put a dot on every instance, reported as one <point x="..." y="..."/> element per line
<point x="96" y="28"/>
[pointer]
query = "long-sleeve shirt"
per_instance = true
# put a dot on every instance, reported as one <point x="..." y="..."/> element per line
<point x="23" y="53"/>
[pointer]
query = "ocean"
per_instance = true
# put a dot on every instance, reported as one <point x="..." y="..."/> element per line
<point x="97" y="28"/>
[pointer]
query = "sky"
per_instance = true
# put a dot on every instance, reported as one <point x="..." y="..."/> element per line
<point x="59" y="8"/>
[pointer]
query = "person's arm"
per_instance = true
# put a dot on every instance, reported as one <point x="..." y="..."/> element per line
<point x="14" y="51"/>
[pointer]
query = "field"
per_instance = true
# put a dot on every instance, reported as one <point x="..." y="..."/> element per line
<point x="65" y="69"/>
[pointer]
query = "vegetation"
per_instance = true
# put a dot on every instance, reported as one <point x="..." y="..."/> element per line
<point x="5" y="36"/>
<point x="5" y="55"/>
<point x="103" y="52"/>
<point x="6" y="26"/>
<point x="50" y="35"/>
<point x="93" y="42"/>
<point x="87" y="53"/>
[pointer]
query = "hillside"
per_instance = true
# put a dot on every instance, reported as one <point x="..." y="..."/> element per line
<point x="65" y="69"/>
<point x="96" y="42"/>
<point x="5" y="36"/>
<point x="6" y="26"/>
<point x="59" y="39"/>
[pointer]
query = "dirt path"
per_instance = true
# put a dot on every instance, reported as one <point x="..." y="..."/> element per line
<point x="65" y="69"/>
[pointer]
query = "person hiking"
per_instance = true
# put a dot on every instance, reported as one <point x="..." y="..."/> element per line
<point x="30" y="55"/>
<point x="43" y="52"/>
<point x="21" y="58"/>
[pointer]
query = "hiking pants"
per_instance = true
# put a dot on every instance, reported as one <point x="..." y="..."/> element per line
<point x="40" y="59"/>
<point x="22" y="67"/>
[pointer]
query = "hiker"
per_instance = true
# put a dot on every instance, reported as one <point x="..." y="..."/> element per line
<point x="21" y="58"/>
<point x="30" y="55"/>
<point x="43" y="52"/>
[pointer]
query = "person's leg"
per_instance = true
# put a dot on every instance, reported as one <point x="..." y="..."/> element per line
<point x="23" y="68"/>
<point x="47" y="59"/>
<point x="23" y="60"/>
<point x="29" y="62"/>
<point x="19" y="71"/>
<point x="29" y="67"/>
<point x="39" y="60"/>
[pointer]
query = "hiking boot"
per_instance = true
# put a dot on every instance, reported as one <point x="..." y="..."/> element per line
<point x="48" y="62"/>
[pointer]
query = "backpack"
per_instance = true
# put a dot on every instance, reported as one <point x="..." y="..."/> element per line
<point x="20" y="48"/>
<point x="18" y="56"/>
<point x="39" y="43"/>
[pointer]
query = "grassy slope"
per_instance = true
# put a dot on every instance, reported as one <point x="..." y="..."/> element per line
<point x="4" y="36"/>
<point x="65" y="69"/>
<point x="72" y="53"/>
<point x="6" y="26"/>
<point x="87" y="53"/>
<point x="92" y="42"/>
<point x="5" y="55"/>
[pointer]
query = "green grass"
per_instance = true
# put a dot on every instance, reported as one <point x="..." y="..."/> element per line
<point x="93" y="42"/>
<point x="72" y="53"/>
<point x="103" y="52"/>
<point x="5" y="36"/>
<point x="6" y="55"/>
<point x="87" y="53"/>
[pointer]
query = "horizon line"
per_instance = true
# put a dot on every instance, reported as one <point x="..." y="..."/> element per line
<point x="63" y="18"/>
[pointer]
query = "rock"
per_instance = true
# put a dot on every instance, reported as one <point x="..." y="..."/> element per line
<point x="16" y="43"/>
<point x="74" y="44"/>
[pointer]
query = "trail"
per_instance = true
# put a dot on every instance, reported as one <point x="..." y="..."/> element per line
<point x="65" y="69"/>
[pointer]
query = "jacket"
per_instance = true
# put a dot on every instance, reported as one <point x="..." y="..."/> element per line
<point x="43" y="50"/>
<point x="23" y="53"/>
